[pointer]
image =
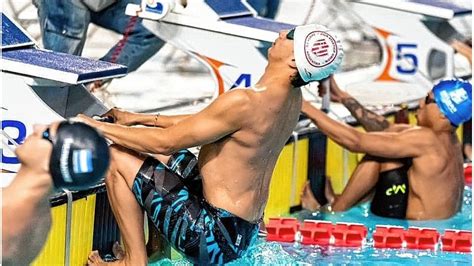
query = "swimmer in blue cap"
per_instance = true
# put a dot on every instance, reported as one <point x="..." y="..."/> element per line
<point x="66" y="154"/>
<point x="416" y="171"/>
<point x="454" y="99"/>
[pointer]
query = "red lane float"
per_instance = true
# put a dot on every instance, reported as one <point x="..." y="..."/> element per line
<point x="468" y="173"/>
<point x="456" y="240"/>
<point x="388" y="236"/>
<point x="349" y="235"/>
<point x="316" y="232"/>
<point x="282" y="229"/>
<point x="324" y="233"/>
<point x="421" y="238"/>
<point x="398" y="237"/>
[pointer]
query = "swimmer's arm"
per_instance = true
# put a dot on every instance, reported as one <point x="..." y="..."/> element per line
<point x="412" y="143"/>
<point x="463" y="49"/>
<point x="408" y="143"/>
<point x="369" y="120"/>
<point x="156" y="120"/>
<point x="126" y="118"/>
<point x="221" y="118"/>
<point x="26" y="218"/>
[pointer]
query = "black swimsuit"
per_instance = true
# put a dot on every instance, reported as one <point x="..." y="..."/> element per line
<point x="391" y="193"/>
<point x="172" y="197"/>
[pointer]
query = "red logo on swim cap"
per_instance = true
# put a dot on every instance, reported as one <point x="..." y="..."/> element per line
<point x="320" y="48"/>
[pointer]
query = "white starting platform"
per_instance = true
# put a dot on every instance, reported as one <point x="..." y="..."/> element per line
<point x="232" y="41"/>
<point x="415" y="37"/>
<point x="226" y="36"/>
<point x="41" y="86"/>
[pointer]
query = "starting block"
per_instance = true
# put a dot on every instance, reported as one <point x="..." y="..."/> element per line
<point x="217" y="33"/>
<point x="41" y="86"/>
<point x="14" y="36"/>
<point x="20" y="55"/>
<point x="59" y="67"/>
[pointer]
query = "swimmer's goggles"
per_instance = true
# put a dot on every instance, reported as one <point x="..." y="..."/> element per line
<point x="291" y="34"/>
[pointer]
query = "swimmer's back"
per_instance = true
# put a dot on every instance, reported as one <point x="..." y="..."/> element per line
<point x="237" y="169"/>
<point x="436" y="181"/>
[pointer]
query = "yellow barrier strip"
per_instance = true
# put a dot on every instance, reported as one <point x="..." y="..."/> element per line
<point x="335" y="165"/>
<point x="82" y="233"/>
<point x="279" y="201"/>
<point x="82" y="236"/>
<point x="280" y="187"/>
<point x="301" y="170"/>
<point x="53" y="251"/>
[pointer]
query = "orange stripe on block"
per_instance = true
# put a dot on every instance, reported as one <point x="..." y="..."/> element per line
<point x="215" y="65"/>
<point x="385" y="76"/>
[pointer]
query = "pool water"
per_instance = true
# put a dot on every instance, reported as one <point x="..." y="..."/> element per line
<point x="272" y="253"/>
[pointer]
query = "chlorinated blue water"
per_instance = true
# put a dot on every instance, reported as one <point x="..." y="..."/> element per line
<point x="273" y="253"/>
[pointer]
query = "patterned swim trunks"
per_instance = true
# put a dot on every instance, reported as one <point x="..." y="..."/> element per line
<point x="172" y="197"/>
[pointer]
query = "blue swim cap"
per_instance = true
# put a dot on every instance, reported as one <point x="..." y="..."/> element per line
<point x="454" y="99"/>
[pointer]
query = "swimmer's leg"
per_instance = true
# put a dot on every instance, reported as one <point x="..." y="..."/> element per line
<point x="363" y="180"/>
<point x="162" y="158"/>
<point x="309" y="201"/>
<point x="125" y="164"/>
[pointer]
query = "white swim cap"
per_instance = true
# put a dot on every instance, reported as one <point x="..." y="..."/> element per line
<point x="318" y="52"/>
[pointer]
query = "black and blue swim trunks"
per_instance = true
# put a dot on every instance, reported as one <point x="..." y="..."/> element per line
<point x="172" y="197"/>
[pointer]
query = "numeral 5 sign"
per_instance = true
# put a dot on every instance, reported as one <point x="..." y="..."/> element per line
<point x="407" y="61"/>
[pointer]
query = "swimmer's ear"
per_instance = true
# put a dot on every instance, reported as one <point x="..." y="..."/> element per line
<point x="292" y="63"/>
<point x="442" y="116"/>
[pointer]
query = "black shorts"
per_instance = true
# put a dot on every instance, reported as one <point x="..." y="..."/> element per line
<point x="172" y="197"/>
<point x="391" y="194"/>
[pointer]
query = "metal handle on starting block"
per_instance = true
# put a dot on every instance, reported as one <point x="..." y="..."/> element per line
<point x="326" y="98"/>
<point x="67" y="245"/>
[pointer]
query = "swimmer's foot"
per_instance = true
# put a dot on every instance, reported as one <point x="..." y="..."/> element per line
<point x="329" y="191"/>
<point x="95" y="260"/>
<point x="308" y="201"/>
